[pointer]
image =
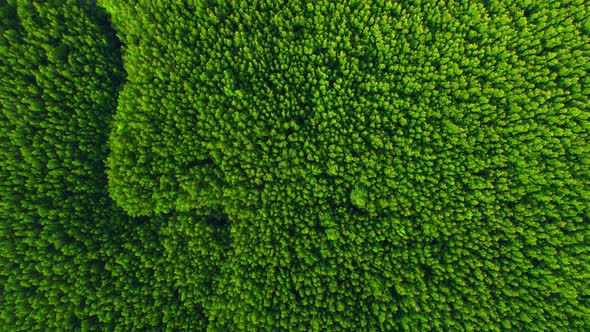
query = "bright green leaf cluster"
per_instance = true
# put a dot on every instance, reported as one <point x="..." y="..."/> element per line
<point x="359" y="196"/>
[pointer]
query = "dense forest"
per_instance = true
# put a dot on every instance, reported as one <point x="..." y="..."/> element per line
<point x="352" y="165"/>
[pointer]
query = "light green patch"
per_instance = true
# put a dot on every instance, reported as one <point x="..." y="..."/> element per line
<point x="359" y="196"/>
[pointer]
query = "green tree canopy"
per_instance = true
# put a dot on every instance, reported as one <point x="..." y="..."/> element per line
<point x="279" y="165"/>
<point x="70" y="259"/>
<point x="383" y="165"/>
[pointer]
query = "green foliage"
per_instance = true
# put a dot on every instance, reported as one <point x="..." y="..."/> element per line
<point x="359" y="166"/>
<point x="69" y="258"/>
<point x="54" y="215"/>
<point x="359" y="196"/>
<point x="467" y="122"/>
